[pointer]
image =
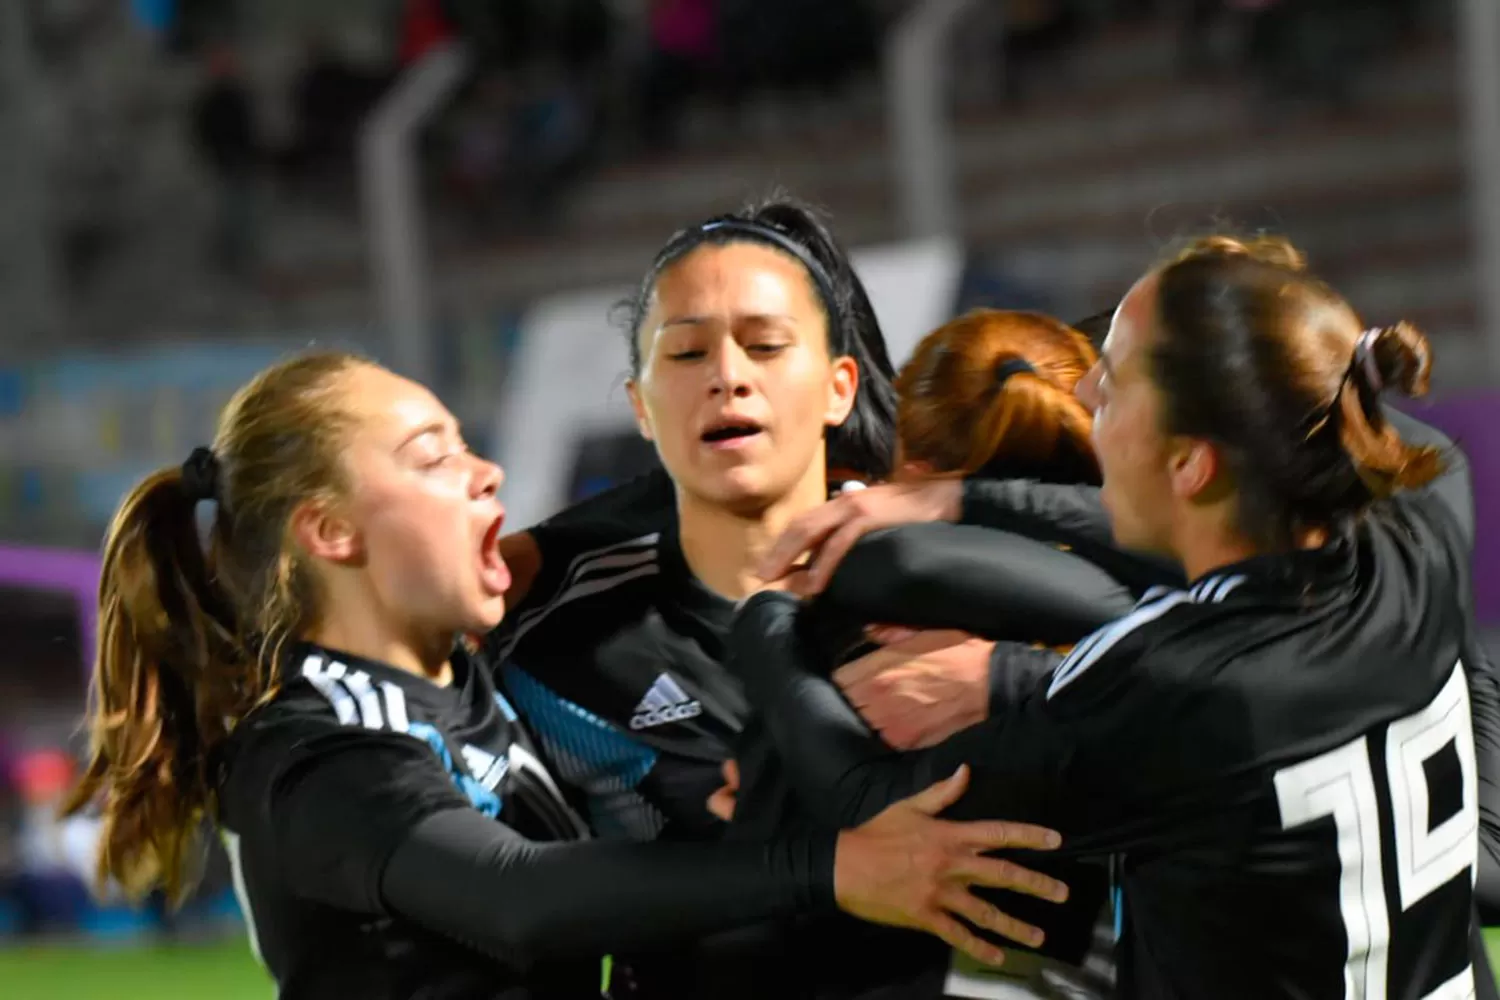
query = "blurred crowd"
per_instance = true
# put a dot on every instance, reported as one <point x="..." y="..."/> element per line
<point x="559" y="86"/>
<point x="47" y="867"/>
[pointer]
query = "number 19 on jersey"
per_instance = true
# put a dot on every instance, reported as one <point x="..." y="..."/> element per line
<point x="1341" y="785"/>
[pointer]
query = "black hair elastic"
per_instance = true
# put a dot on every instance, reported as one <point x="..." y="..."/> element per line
<point x="1364" y="361"/>
<point x="1009" y="367"/>
<point x="200" y="475"/>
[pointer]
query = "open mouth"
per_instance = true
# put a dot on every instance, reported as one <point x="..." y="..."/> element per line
<point x="491" y="565"/>
<point x="731" y="432"/>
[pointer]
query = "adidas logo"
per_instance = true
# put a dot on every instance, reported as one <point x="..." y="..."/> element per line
<point x="665" y="702"/>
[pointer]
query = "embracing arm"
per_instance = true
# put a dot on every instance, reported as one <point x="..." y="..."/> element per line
<point x="844" y="773"/>
<point x="368" y="822"/>
<point x="372" y="824"/>
<point x="994" y="584"/>
<point x="462" y="874"/>
<point x="1066" y="515"/>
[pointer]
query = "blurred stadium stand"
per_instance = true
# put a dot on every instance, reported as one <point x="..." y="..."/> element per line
<point x="1076" y="165"/>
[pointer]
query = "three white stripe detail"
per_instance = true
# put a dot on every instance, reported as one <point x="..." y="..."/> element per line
<point x="1156" y="602"/>
<point x="589" y="573"/>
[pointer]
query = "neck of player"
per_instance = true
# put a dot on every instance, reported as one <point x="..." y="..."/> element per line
<point x="1213" y="541"/>
<point x="354" y="628"/>
<point x="722" y="546"/>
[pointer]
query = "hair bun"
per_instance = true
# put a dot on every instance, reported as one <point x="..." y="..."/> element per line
<point x="1401" y="357"/>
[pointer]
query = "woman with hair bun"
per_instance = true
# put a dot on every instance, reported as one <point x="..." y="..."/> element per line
<point x="1280" y="755"/>
<point x="991" y="395"/>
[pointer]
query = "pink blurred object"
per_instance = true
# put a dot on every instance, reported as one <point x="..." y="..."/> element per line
<point x="43" y="775"/>
<point x="684" y="27"/>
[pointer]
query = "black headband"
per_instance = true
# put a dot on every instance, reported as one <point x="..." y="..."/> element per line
<point x="757" y="232"/>
<point x="200" y="475"/>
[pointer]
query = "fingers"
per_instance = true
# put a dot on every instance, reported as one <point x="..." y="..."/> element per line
<point x="935" y="798"/>
<point x="721" y="804"/>
<point x="965" y="940"/>
<point x="858" y="673"/>
<point x="798" y="582"/>
<point x="991" y="918"/>
<point x="890" y="635"/>
<point x="803" y="534"/>
<point x="991" y="835"/>
<point x="731" y="772"/>
<point x="995" y="873"/>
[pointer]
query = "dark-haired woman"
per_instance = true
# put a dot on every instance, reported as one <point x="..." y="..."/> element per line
<point x="1280" y="755"/>
<point x="758" y="367"/>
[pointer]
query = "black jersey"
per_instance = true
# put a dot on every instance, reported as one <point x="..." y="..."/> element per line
<point x="308" y="867"/>
<point x="395" y="839"/>
<point x="1279" y="756"/>
<point x="616" y="660"/>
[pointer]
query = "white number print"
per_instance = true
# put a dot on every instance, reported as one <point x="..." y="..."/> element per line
<point x="1340" y="784"/>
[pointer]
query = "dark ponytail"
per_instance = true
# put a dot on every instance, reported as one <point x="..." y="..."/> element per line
<point x="189" y="638"/>
<point x="865" y="442"/>
<point x="168" y="666"/>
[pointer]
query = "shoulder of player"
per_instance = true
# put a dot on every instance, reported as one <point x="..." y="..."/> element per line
<point x="1166" y="634"/>
<point x="585" y="592"/>
<point x="323" y="700"/>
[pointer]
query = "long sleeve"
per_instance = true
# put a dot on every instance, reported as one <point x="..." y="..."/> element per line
<point x="1075" y="515"/>
<point x="995" y="584"/>
<point x="845" y="774"/>
<point x="842" y="775"/>
<point x="522" y="902"/>
<point x="369" y="822"/>
<point x="1484" y="707"/>
<point x="1066" y="515"/>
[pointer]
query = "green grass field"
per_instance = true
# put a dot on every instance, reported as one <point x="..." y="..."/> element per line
<point x="212" y="972"/>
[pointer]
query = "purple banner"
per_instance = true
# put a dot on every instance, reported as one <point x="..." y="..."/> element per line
<point x="64" y="571"/>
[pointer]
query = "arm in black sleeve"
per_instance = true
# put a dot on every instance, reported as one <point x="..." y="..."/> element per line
<point x="994" y="584"/>
<point x="1453" y="492"/>
<point x="1484" y="708"/>
<point x="1066" y="515"/>
<point x="1080" y="751"/>
<point x="843" y="775"/>
<point x="466" y="876"/>
<point x="842" y="772"/>
<point x="369" y="822"/>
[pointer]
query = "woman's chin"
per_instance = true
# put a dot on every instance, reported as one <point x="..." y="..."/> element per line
<point x="739" y="489"/>
<point x="488" y="614"/>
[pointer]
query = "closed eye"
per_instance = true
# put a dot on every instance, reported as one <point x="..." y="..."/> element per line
<point x="686" y="355"/>
<point x="447" y="457"/>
